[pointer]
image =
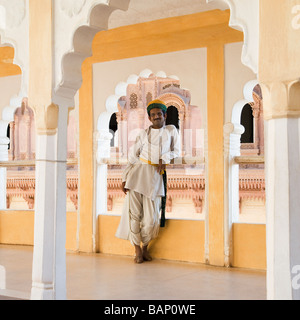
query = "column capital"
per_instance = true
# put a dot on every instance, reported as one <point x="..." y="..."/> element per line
<point x="281" y="99"/>
<point x="232" y="138"/>
<point x="233" y="128"/>
<point x="46" y="119"/>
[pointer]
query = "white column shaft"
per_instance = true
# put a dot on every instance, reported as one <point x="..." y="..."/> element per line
<point x="282" y="204"/>
<point x="49" y="259"/>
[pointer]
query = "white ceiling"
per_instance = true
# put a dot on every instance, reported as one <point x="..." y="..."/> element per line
<point x="148" y="10"/>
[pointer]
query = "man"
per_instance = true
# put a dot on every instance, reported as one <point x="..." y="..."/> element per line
<point x="143" y="181"/>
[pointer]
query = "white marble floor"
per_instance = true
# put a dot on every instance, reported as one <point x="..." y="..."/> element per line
<point x="105" y="277"/>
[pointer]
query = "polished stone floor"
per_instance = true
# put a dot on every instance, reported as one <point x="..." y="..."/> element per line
<point x="106" y="277"/>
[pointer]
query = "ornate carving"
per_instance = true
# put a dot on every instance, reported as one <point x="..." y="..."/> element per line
<point x="252" y="186"/>
<point x="281" y="99"/>
<point x="23" y="186"/>
<point x="133" y="101"/>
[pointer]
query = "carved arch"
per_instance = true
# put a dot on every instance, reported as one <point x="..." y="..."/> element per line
<point x="244" y="16"/>
<point x="175" y="100"/>
<point x="83" y="36"/>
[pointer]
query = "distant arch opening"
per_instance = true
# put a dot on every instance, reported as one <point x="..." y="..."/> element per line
<point x="247" y="121"/>
<point x="113" y="127"/>
<point x="172" y="116"/>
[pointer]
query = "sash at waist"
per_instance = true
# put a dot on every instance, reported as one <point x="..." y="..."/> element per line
<point x="152" y="164"/>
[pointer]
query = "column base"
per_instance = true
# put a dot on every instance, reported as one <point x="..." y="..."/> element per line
<point x="41" y="291"/>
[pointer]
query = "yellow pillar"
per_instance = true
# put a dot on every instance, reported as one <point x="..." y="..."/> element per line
<point x="161" y="36"/>
<point x="86" y="181"/>
<point x="215" y="121"/>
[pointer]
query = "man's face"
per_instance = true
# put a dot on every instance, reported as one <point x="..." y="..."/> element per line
<point x="157" y="118"/>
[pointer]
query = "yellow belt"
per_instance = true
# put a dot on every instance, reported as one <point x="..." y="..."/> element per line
<point x="152" y="164"/>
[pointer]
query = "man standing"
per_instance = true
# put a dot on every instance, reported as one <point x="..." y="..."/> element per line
<point x="143" y="182"/>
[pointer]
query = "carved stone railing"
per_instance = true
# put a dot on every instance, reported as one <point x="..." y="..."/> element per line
<point x="182" y="183"/>
<point x="192" y="186"/>
<point x="21" y="184"/>
<point x="20" y="181"/>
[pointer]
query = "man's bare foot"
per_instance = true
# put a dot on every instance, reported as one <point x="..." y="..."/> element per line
<point x="138" y="255"/>
<point x="146" y="254"/>
<point x="138" y="259"/>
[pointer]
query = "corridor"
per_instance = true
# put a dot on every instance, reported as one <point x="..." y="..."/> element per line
<point x="106" y="277"/>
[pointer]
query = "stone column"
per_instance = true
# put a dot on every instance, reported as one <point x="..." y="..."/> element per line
<point x="255" y="113"/>
<point x="49" y="265"/>
<point x="16" y="139"/>
<point x="215" y="158"/>
<point x="28" y="132"/>
<point x="282" y="154"/>
<point x="232" y="146"/>
<point x="4" y="141"/>
<point x="181" y="129"/>
<point x="103" y="153"/>
<point x="279" y="73"/>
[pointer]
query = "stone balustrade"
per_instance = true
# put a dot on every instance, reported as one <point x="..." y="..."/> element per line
<point x="183" y="183"/>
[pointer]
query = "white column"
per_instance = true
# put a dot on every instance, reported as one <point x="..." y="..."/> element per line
<point x="282" y="153"/>
<point x="49" y="258"/>
<point x="101" y="205"/>
<point x="61" y="205"/>
<point x="44" y="220"/>
<point x="103" y="139"/>
<point x="4" y="141"/>
<point x="103" y="153"/>
<point x="232" y="144"/>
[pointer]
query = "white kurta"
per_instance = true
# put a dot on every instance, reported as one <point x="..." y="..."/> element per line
<point x="151" y="145"/>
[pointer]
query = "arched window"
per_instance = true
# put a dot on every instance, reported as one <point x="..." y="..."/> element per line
<point x="22" y="134"/>
<point x="247" y="123"/>
<point x="172" y="116"/>
<point x="8" y="135"/>
<point x="113" y="127"/>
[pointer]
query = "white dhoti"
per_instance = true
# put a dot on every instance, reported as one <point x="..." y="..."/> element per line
<point x="140" y="221"/>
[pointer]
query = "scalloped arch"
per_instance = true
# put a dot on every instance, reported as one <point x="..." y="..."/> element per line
<point x="121" y="90"/>
<point x="71" y="75"/>
<point x="239" y="105"/>
<point x="173" y="99"/>
<point x="244" y="16"/>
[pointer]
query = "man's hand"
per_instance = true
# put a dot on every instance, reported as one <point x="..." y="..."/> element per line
<point x="123" y="187"/>
<point x="161" y="167"/>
